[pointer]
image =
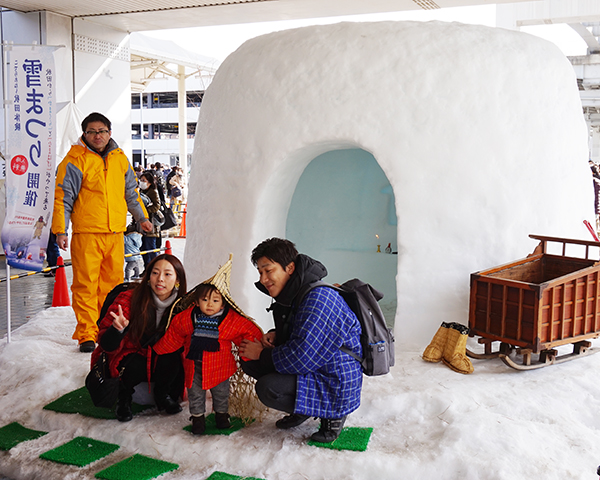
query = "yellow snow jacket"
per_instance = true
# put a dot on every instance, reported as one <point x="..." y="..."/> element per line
<point x="94" y="192"/>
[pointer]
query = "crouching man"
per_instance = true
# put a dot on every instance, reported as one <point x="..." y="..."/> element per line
<point x="299" y="365"/>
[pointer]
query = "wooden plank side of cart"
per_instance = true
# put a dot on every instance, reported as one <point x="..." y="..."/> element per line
<point x="484" y="319"/>
<point x="569" y="309"/>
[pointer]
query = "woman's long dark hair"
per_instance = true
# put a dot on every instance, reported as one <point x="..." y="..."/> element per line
<point x="143" y="310"/>
<point x="150" y="178"/>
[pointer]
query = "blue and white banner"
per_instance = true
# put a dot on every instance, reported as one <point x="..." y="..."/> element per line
<point x="30" y="153"/>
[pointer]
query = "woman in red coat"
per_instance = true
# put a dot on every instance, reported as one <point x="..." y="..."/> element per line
<point x="135" y="321"/>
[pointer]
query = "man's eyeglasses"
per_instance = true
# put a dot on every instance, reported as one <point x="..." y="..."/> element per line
<point x="93" y="133"/>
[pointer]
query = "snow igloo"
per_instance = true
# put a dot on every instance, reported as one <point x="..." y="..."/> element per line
<point x="450" y="143"/>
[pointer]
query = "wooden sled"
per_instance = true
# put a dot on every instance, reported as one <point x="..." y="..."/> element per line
<point x="529" y="361"/>
<point x="548" y="299"/>
<point x="548" y="357"/>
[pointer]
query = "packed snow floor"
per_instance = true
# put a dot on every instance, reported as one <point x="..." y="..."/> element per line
<point x="429" y="422"/>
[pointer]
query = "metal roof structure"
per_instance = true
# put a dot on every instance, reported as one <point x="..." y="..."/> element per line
<point x="151" y="58"/>
<point x="146" y="15"/>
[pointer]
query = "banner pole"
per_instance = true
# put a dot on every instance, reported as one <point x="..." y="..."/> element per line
<point x="8" y="323"/>
<point x="4" y="108"/>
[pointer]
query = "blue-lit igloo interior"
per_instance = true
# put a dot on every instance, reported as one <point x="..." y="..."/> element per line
<point x="343" y="213"/>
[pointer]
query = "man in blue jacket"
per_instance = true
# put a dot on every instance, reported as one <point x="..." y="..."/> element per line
<point x="299" y="365"/>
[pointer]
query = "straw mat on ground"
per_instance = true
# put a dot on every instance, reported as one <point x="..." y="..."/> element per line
<point x="80" y="451"/>
<point x="79" y="401"/>
<point x="136" y="467"/>
<point x="14" y="433"/>
<point x="228" y="476"/>
<point x="351" y="438"/>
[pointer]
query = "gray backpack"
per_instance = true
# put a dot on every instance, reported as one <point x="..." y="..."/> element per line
<point x="376" y="338"/>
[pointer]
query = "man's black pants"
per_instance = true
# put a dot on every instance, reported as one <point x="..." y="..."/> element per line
<point x="275" y="390"/>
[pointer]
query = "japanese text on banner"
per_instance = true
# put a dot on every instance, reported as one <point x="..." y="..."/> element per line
<point x="30" y="154"/>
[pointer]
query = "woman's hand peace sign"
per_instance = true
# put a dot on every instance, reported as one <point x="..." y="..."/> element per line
<point x="119" y="322"/>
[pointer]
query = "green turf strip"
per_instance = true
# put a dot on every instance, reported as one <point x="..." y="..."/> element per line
<point x="211" y="427"/>
<point x="80" y="451"/>
<point x="351" y="438"/>
<point x="137" y="467"/>
<point x="79" y="401"/>
<point x="228" y="476"/>
<point x="14" y="433"/>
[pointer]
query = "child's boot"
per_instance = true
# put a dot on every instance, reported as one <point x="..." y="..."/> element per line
<point x="456" y="347"/>
<point x="222" y="420"/>
<point x="198" y="424"/>
<point x="435" y="350"/>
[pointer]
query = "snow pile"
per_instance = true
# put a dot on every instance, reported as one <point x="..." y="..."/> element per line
<point x="479" y="131"/>
<point x="429" y="422"/>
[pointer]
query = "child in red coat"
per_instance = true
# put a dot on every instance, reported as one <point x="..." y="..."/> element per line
<point x="206" y="330"/>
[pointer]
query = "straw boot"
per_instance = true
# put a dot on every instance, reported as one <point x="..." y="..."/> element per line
<point x="455" y="351"/>
<point x="435" y="350"/>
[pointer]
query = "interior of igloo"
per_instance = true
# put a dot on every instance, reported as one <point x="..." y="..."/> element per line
<point x="476" y="135"/>
<point x="343" y="213"/>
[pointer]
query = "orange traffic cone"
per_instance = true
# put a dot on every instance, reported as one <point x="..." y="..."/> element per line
<point x="60" y="296"/>
<point x="168" y="249"/>
<point x="182" y="228"/>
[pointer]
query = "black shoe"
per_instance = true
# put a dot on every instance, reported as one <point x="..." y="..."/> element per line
<point x="222" y="420"/>
<point x="123" y="411"/>
<point x="167" y="404"/>
<point x="291" y="421"/>
<point x="87" y="347"/>
<point x="198" y="424"/>
<point x="329" y="431"/>
<point x="50" y="273"/>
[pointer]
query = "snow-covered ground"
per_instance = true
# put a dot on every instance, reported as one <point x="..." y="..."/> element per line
<point x="429" y="422"/>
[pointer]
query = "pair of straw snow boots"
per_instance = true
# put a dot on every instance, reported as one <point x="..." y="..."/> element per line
<point x="449" y="345"/>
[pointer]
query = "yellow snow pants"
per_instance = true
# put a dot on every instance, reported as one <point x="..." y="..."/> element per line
<point x="98" y="260"/>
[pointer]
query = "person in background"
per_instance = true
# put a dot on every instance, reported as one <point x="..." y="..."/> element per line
<point x="160" y="180"/>
<point x="166" y="173"/>
<point x="52" y="254"/>
<point x="148" y="188"/>
<point x="176" y="191"/>
<point x="596" y="179"/>
<point x="168" y="180"/>
<point x="134" y="322"/>
<point x="299" y="365"/>
<point x="95" y="187"/>
<point x="134" y="265"/>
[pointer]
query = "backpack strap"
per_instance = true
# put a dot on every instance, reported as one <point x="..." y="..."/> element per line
<point x="351" y="353"/>
<point x="306" y="289"/>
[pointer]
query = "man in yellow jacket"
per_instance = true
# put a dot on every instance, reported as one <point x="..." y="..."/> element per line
<point x="95" y="186"/>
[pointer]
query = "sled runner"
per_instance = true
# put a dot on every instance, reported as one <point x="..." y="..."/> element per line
<point x="534" y="305"/>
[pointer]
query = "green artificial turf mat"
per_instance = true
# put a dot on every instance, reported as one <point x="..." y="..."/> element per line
<point x="79" y="401"/>
<point x="14" y="433"/>
<point x="211" y="427"/>
<point x="80" y="451"/>
<point x="137" y="467"/>
<point x="351" y="438"/>
<point x="228" y="476"/>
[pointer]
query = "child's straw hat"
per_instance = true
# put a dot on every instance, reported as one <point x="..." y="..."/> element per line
<point x="221" y="280"/>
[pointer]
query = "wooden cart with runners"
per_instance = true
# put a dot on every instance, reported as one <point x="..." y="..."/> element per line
<point x="536" y="304"/>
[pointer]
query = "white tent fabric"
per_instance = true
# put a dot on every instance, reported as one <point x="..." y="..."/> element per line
<point x="71" y="117"/>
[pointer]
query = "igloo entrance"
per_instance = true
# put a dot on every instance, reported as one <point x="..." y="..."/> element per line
<point x="341" y="210"/>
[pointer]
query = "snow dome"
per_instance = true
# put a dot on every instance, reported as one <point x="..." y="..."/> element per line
<point x="451" y="143"/>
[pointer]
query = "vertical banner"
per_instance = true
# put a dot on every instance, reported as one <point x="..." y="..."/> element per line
<point x="30" y="153"/>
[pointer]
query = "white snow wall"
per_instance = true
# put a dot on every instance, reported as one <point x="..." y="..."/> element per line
<point x="479" y="131"/>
